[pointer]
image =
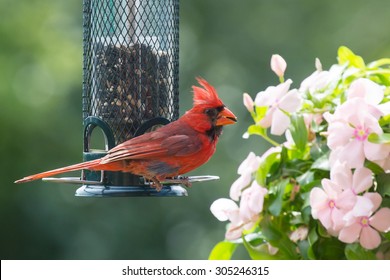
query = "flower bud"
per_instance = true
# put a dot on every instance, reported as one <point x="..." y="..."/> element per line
<point x="248" y="102"/>
<point x="318" y="64"/>
<point x="278" y="65"/>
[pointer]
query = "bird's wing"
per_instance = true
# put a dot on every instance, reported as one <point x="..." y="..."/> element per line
<point x="168" y="141"/>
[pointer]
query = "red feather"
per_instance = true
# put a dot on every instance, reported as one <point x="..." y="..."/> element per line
<point x="169" y="151"/>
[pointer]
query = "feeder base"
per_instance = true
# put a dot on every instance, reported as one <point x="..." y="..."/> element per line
<point x="120" y="191"/>
<point x="90" y="188"/>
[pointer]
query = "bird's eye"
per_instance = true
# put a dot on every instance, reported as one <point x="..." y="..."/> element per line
<point x="211" y="112"/>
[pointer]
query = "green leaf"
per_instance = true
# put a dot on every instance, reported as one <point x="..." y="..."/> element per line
<point x="256" y="130"/>
<point x="278" y="238"/>
<point x="259" y="252"/>
<point x="265" y="167"/>
<point x="386" y="235"/>
<point x="345" y="55"/>
<point x="357" y="252"/>
<point x="222" y="251"/>
<point x="386" y="202"/>
<point x="312" y="239"/>
<point x="384" y="138"/>
<point x="298" y="131"/>
<point x="329" y="249"/>
<point x="383" y="79"/>
<point x="322" y="231"/>
<point x="303" y="247"/>
<point x="322" y="163"/>
<point x="305" y="178"/>
<point x="385" y="120"/>
<point x="260" y="112"/>
<point x="375" y="168"/>
<point x="379" y="62"/>
<point x="276" y="203"/>
<point x="383" y="184"/>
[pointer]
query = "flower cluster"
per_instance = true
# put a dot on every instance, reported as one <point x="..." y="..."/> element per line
<point x="325" y="186"/>
<point x="251" y="204"/>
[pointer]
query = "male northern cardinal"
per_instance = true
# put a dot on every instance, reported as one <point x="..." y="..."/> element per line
<point x="169" y="151"/>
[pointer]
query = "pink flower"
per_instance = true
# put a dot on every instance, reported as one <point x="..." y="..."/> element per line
<point x="299" y="234"/>
<point x="280" y="103"/>
<point x="226" y="209"/>
<point x="364" y="88"/>
<point x="348" y="133"/>
<point x="365" y="227"/>
<point x="330" y="204"/>
<point x="358" y="182"/>
<point x="243" y="217"/>
<point x="321" y="82"/>
<point x="339" y="196"/>
<point x="248" y="102"/>
<point x="371" y="92"/>
<point x="246" y="168"/>
<point x="278" y="65"/>
<point x="251" y="203"/>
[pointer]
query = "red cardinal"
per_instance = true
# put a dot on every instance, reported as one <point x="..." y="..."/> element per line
<point x="169" y="151"/>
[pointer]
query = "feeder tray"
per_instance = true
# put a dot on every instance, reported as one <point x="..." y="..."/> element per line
<point x="99" y="189"/>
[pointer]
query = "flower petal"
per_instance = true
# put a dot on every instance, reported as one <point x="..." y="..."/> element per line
<point x="362" y="179"/>
<point x="264" y="98"/>
<point x="341" y="175"/>
<point x="352" y="154"/>
<point x="381" y="220"/>
<point x="337" y="219"/>
<point x="350" y="234"/>
<point x="233" y="232"/>
<point x="221" y="208"/>
<point x="238" y="185"/>
<point x="369" y="238"/>
<point x="363" y="206"/>
<point x="339" y="134"/>
<point x="291" y="101"/>
<point x="375" y="151"/>
<point x="367" y="89"/>
<point x="256" y="199"/>
<point x="318" y="200"/>
<point x="280" y="122"/>
<point x="324" y="215"/>
<point x="250" y="164"/>
<point x="266" y="121"/>
<point x="346" y="200"/>
<point x="375" y="198"/>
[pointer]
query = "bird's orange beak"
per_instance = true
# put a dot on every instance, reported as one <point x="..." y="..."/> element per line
<point x="226" y="117"/>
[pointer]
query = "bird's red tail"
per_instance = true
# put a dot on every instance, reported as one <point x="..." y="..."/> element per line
<point x="78" y="166"/>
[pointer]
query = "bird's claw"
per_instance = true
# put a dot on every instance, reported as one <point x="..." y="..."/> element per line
<point x="158" y="184"/>
<point x="154" y="183"/>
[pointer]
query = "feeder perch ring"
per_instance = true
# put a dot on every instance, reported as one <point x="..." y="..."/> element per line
<point x="99" y="189"/>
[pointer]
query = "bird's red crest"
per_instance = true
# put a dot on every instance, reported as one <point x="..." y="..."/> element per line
<point x="206" y="95"/>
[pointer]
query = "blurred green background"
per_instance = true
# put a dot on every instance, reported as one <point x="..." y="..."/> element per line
<point x="227" y="42"/>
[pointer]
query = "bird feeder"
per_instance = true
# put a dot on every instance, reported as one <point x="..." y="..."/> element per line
<point x="130" y="85"/>
<point x="130" y="82"/>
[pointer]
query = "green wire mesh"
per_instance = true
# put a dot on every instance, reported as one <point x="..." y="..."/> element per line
<point x="130" y="67"/>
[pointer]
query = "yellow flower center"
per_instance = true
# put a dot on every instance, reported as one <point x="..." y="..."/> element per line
<point x="331" y="204"/>
<point x="364" y="221"/>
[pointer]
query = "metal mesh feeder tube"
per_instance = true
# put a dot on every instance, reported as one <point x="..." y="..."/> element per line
<point x="130" y="83"/>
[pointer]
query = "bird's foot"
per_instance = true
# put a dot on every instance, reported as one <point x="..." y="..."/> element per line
<point x="155" y="183"/>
